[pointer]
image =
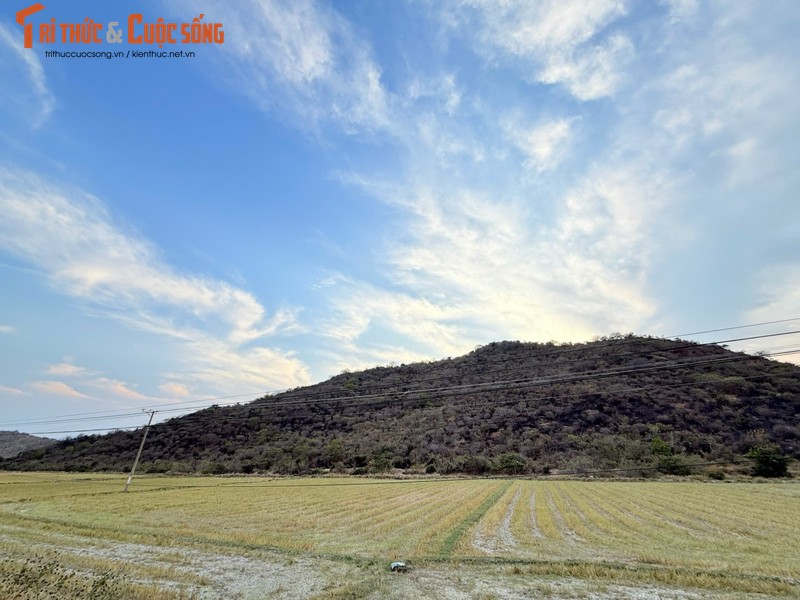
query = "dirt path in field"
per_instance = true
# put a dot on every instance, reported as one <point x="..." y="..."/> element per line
<point x="230" y="576"/>
<point x="569" y="536"/>
<point x="466" y="583"/>
<point x="535" y="531"/>
<point x="257" y="575"/>
<point x="209" y="575"/>
<point x="502" y="540"/>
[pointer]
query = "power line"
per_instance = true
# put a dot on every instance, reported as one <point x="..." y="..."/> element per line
<point x="394" y="396"/>
<point x="112" y="414"/>
<point x="511" y="384"/>
<point x="313" y="396"/>
<point x="736" y="327"/>
<point x="465" y="389"/>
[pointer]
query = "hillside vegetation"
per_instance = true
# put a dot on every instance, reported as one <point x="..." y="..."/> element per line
<point x="623" y="403"/>
<point x="13" y="442"/>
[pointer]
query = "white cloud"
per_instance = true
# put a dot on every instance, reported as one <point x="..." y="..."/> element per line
<point x="329" y="281"/>
<point x="477" y="267"/>
<point x="353" y="356"/>
<point x="172" y="389"/>
<point x="727" y="89"/>
<point x="70" y="236"/>
<point x="7" y="329"/>
<point x="120" y="389"/>
<point x="544" y="146"/>
<point x="299" y="45"/>
<point x="87" y="256"/>
<point x="681" y="10"/>
<point x="443" y="90"/>
<point x="485" y="252"/>
<point x="302" y="58"/>
<point x="45" y="101"/>
<point x="368" y="326"/>
<point x="57" y="388"/>
<point x="592" y="74"/>
<point x="67" y="369"/>
<point x="11" y="391"/>
<point x="449" y="145"/>
<point x="564" y="41"/>
<point x="415" y="318"/>
<point x="237" y="370"/>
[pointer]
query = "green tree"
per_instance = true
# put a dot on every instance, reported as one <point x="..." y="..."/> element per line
<point x="673" y="464"/>
<point x="668" y="462"/>
<point x="660" y="447"/>
<point x="511" y="463"/>
<point x="769" y="461"/>
<point x="334" y="452"/>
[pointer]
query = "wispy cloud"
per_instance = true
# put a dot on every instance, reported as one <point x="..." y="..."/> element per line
<point x="11" y="44"/>
<point x="57" y="388"/>
<point x="544" y="145"/>
<point x="330" y="281"/>
<point x="71" y="237"/>
<point x="486" y="252"/>
<point x="11" y="391"/>
<point x="118" y="389"/>
<point x="172" y="389"/>
<point x="478" y="268"/>
<point x="682" y="10"/>
<point x="212" y="363"/>
<point x="566" y="42"/>
<point x="507" y="229"/>
<point x="67" y="369"/>
<point x="7" y="329"/>
<point x="302" y="59"/>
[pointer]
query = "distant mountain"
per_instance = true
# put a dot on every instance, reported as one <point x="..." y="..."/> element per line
<point x="12" y="443"/>
<point x="621" y="403"/>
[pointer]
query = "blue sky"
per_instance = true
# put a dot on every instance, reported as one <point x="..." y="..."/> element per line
<point x="340" y="185"/>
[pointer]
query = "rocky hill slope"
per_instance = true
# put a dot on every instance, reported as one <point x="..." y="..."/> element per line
<point x="13" y="443"/>
<point x="622" y="403"/>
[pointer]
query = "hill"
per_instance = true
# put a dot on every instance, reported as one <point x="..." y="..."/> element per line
<point x="13" y="443"/>
<point x="621" y="403"/>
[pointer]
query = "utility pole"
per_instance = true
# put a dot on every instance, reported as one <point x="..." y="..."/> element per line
<point x="139" y="453"/>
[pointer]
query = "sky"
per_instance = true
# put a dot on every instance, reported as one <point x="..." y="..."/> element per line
<point x="343" y="184"/>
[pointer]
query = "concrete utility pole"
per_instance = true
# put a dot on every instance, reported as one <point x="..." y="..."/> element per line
<point x="139" y="453"/>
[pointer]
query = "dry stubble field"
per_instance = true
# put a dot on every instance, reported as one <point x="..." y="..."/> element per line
<point x="80" y="536"/>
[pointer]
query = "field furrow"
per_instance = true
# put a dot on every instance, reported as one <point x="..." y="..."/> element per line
<point x="535" y="530"/>
<point x="732" y="530"/>
<point x="493" y="534"/>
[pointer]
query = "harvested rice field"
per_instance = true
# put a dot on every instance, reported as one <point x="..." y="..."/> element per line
<point x="81" y="536"/>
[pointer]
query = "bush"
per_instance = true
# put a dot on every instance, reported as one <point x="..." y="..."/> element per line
<point x="402" y="463"/>
<point x="511" y="463"/>
<point x="673" y="465"/>
<point x="214" y="467"/>
<point x="380" y="464"/>
<point x="471" y="465"/>
<point x="157" y="466"/>
<point x="769" y="461"/>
